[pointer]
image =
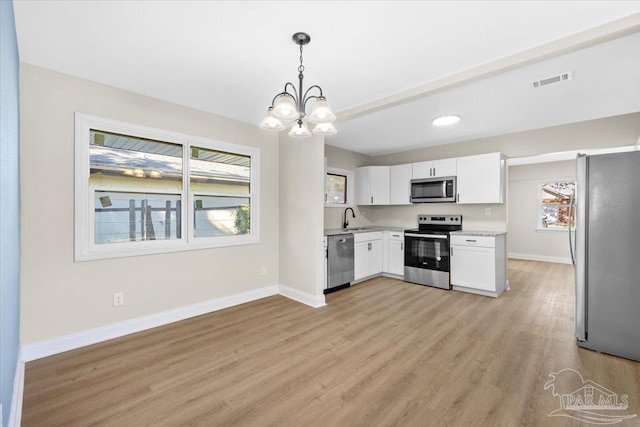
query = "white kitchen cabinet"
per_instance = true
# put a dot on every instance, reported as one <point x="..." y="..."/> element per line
<point x="400" y="184"/>
<point x="325" y="259"/>
<point x="435" y="168"/>
<point x="367" y="255"/>
<point x="481" y="178"/>
<point x="479" y="264"/>
<point x="372" y="185"/>
<point x="393" y="257"/>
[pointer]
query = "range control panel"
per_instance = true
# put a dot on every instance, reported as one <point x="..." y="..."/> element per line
<point x="440" y="219"/>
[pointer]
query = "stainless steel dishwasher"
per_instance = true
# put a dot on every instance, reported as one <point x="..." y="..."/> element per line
<point x="340" y="271"/>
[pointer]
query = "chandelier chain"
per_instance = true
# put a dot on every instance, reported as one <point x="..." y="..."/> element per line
<point x="301" y="67"/>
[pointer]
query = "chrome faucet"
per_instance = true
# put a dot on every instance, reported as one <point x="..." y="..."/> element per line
<point x="345" y="224"/>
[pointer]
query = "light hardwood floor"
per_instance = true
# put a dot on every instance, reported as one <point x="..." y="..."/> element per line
<point x="383" y="352"/>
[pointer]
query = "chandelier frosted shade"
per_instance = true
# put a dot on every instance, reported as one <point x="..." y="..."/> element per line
<point x="290" y="104"/>
<point x="321" y="112"/>
<point x="284" y="108"/>
<point x="299" y="130"/>
<point x="324" y="129"/>
<point x="270" y="122"/>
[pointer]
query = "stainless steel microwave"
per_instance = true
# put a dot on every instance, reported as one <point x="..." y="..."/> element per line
<point x="433" y="190"/>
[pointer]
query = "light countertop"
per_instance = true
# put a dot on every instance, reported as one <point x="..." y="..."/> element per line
<point x="479" y="233"/>
<point x="364" y="229"/>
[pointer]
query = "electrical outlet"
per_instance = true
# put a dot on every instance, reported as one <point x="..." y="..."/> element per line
<point x="118" y="299"/>
<point x="487" y="211"/>
<point x="263" y="270"/>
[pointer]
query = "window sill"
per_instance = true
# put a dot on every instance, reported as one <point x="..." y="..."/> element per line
<point x="338" y="205"/>
<point x="554" y="230"/>
<point x="161" y="247"/>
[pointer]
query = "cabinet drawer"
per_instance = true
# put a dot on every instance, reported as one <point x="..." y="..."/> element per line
<point x="366" y="237"/>
<point x="396" y="235"/>
<point x="482" y="241"/>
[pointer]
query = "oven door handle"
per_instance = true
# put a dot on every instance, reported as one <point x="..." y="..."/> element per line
<point x="431" y="236"/>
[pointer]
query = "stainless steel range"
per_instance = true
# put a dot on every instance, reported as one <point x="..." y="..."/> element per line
<point x="426" y="250"/>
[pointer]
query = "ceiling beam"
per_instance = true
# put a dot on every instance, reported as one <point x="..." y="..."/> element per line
<point x="581" y="40"/>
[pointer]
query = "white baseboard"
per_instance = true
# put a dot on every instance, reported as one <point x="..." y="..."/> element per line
<point x="53" y="346"/>
<point x="533" y="257"/>
<point x="393" y="276"/>
<point x="476" y="291"/>
<point x="15" y="415"/>
<point x="314" y="301"/>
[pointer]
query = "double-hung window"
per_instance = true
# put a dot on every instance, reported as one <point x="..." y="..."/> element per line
<point x="141" y="191"/>
<point x="554" y="208"/>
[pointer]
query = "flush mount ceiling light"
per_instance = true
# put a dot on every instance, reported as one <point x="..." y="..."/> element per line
<point x="291" y="106"/>
<point x="445" y="120"/>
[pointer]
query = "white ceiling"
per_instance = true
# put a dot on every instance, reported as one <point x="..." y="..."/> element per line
<point x="387" y="68"/>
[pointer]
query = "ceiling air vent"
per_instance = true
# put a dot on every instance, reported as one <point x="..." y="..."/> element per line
<point x="553" y="79"/>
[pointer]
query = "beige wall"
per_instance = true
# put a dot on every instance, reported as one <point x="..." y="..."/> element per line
<point x="523" y="240"/>
<point x="60" y="296"/>
<point x="609" y="132"/>
<point x="349" y="160"/>
<point x="301" y="202"/>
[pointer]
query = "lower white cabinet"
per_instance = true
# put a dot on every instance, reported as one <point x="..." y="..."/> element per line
<point x="479" y="264"/>
<point x="367" y="254"/>
<point x="393" y="261"/>
<point x="325" y="282"/>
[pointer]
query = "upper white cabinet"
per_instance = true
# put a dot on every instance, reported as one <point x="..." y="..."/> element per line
<point x="434" y="168"/>
<point x="481" y="178"/>
<point x="372" y="185"/>
<point x="400" y="184"/>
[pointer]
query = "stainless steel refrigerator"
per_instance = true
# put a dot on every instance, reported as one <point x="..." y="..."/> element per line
<point x="607" y="253"/>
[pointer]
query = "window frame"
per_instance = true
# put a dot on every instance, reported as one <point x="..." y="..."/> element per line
<point x="86" y="249"/>
<point x="540" y="205"/>
<point x="348" y="174"/>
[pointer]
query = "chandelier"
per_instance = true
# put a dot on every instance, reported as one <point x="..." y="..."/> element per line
<point x="291" y="105"/>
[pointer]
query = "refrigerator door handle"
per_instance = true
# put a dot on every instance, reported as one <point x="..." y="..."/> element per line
<point x="581" y="239"/>
<point x="573" y="259"/>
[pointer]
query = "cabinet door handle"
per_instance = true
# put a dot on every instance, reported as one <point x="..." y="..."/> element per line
<point x="372" y="199"/>
<point x="451" y="251"/>
<point x="402" y="246"/>
<point x="458" y="198"/>
<point x="434" y="171"/>
<point x="470" y="240"/>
